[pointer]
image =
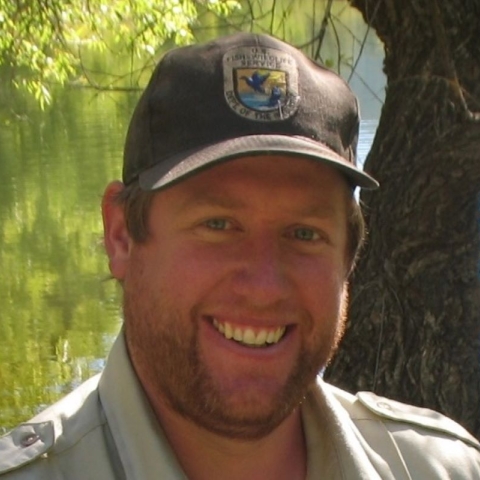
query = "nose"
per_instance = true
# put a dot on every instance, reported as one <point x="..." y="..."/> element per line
<point x="261" y="274"/>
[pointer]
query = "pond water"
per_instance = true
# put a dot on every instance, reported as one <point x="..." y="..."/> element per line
<point x="59" y="310"/>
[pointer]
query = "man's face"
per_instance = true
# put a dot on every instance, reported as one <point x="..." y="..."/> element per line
<point x="236" y="300"/>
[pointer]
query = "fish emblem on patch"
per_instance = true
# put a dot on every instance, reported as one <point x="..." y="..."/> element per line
<point x="260" y="83"/>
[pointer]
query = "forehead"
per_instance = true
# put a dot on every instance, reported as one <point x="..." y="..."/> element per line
<point x="274" y="180"/>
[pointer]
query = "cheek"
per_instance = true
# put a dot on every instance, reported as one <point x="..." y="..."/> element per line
<point x="322" y="291"/>
<point x="181" y="273"/>
<point x="323" y="278"/>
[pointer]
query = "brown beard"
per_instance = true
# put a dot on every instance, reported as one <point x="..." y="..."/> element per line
<point x="170" y="367"/>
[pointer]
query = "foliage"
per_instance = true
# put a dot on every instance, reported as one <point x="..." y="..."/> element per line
<point x="43" y="41"/>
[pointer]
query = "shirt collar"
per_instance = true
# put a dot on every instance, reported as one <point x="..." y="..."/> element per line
<point x="336" y="449"/>
<point x="141" y="443"/>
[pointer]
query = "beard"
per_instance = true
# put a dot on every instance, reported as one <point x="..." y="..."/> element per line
<point x="165" y="352"/>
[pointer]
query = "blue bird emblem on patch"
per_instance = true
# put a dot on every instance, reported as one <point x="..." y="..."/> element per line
<point x="256" y="81"/>
<point x="261" y="90"/>
<point x="275" y="96"/>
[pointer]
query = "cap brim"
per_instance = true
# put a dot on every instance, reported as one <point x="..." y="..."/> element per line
<point x="174" y="168"/>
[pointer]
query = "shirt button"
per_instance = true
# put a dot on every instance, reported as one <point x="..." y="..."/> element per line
<point x="29" y="439"/>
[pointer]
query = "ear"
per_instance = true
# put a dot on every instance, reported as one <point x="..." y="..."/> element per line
<point x="116" y="238"/>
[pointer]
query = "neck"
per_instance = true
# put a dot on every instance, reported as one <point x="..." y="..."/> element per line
<point x="206" y="455"/>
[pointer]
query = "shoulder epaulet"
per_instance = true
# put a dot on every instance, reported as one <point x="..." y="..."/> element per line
<point x="24" y="444"/>
<point x="421" y="417"/>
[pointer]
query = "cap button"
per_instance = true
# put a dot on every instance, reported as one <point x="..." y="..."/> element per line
<point x="29" y="439"/>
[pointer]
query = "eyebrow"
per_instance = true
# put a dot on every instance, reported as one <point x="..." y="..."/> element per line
<point x="228" y="203"/>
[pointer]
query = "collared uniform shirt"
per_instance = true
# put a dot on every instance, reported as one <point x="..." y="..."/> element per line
<point x="106" y="430"/>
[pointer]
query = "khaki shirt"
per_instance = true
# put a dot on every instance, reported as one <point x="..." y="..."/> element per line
<point x="106" y="430"/>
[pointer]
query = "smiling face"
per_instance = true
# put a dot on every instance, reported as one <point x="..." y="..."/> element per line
<point x="236" y="299"/>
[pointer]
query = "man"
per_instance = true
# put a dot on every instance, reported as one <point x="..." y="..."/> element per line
<point x="233" y="235"/>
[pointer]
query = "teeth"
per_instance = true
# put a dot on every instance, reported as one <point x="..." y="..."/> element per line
<point x="247" y="336"/>
<point x="270" y="337"/>
<point x="262" y="337"/>
<point x="238" y="335"/>
<point x="228" y="331"/>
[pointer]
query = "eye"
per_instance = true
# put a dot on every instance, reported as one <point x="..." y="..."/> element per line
<point x="218" y="224"/>
<point x="306" y="234"/>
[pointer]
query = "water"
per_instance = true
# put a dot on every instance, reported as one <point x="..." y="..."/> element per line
<point x="60" y="312"/>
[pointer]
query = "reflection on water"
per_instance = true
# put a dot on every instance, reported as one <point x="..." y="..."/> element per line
<point x="59" y="313"/>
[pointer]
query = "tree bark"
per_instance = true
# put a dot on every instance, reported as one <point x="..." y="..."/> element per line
<point x="414" y="327"/>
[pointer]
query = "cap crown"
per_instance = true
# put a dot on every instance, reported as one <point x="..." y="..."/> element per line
<point x="205" y="94"/>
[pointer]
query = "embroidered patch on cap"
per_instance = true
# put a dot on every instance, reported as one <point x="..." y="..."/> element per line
<point x="260" y="83"/>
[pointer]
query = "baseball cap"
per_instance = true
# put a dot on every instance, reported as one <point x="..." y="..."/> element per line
<point x="240" y="95"/>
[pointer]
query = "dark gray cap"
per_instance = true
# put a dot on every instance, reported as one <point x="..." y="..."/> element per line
<point x="240" y="95"/>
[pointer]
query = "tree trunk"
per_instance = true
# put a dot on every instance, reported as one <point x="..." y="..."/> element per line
<point x="414" y="327"/>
